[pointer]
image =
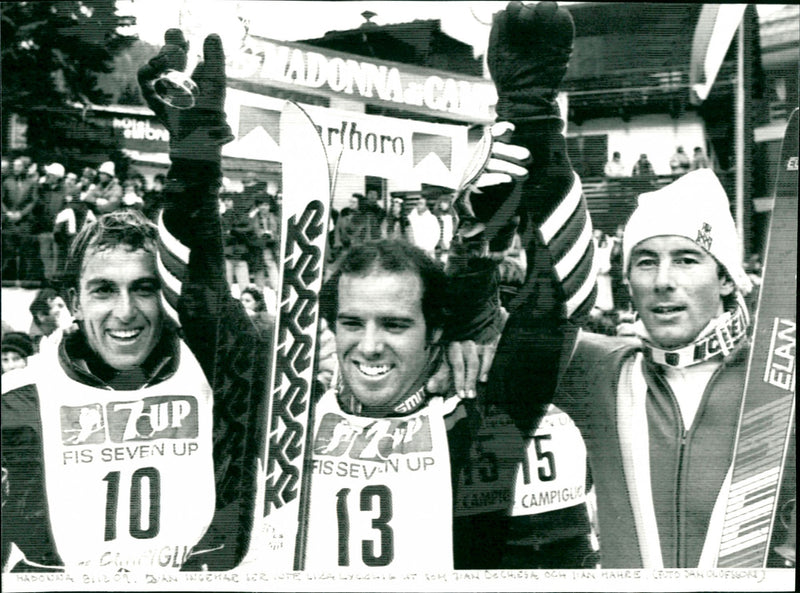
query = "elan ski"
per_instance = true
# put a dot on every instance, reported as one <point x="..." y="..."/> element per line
<point x="767" y="410"/>
<point x="278" y="538"/>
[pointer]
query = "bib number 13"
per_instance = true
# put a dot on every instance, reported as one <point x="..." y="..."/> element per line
<point x="145" y="503"/>
<point x="369" y="496"/>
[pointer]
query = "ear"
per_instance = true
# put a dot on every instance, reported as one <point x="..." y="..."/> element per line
<point x="74" y="303"/>
<point x="726" y="286"/>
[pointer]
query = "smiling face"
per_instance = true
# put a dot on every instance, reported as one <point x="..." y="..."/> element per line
<point x="119" y="305"/>
<point x="381" y="336"/>
<point x="676" y="289"/>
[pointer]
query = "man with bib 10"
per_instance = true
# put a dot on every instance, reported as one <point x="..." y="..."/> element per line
<point x="107" y="437"/>
<point x="130" y="443"/>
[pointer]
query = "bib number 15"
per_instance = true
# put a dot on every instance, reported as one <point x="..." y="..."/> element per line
<point x="145" y="503"/>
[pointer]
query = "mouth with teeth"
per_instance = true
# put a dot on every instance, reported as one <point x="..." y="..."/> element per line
<point x="373" y="371"/>
<point x="124" y="335"/>
<point x="667" y="309"/>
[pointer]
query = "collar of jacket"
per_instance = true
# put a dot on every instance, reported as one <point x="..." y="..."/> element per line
<point x="82" y="364"/>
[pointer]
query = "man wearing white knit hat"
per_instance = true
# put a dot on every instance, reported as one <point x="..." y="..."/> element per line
<point x="658" y="412"/>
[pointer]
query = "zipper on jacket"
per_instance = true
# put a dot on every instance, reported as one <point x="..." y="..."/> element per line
<point x="678" y="534"/>
<point x="684" y="433"/>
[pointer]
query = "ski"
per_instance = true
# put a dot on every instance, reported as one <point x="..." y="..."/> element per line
<point x="767" y="410"/>
<point x="278" y="538"/>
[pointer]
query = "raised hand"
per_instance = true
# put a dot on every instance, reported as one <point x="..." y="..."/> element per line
<point x="197" y="133"/>
<point x="529" y="49"/>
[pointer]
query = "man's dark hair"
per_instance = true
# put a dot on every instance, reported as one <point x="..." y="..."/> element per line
<point x="127" y="227"/>
<point x="41" y="303"/>
<point x="393" y="256"/>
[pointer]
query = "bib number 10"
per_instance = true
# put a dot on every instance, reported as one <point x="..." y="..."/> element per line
<point x="145" y="503"/>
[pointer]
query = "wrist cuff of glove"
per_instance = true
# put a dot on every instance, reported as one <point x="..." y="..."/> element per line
<point x="513" y="106"/>
<point x="193" y="172"/>
<point x="474" y="311"/>
<point x="190" y="184"/>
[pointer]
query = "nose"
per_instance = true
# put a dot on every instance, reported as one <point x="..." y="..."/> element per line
<point x="371" y="343"/>
<point x="125" y="307"/>
<point x="664" y="280"/>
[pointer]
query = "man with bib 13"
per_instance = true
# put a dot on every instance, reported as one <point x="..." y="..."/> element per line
<point x="400" y="476"/>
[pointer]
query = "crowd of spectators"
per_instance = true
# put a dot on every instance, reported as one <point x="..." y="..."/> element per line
<point x="424" y="219"/>
<point x="679" y="164"/>
<point x="44" y="206"/>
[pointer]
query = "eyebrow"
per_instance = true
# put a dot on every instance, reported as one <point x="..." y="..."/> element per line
<point x="382" y="318"/>
<point x="672" y="252"/>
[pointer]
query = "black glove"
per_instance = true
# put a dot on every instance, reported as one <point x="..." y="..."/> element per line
<point x="529" y="49"/>
<point x="196" y="134"/>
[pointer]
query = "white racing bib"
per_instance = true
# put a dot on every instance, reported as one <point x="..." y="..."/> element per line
<point x="553" y="473"/>
<point x="129" y="474"/>
<point x="380" y="491"/>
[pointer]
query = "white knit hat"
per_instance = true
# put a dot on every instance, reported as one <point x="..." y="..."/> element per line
<point x="694" y="206"/>
<point x="107" y="168"/>
<point x="55" y="169"/>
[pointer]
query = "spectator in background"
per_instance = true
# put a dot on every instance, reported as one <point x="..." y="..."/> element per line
<point x="50" y="314"/>
<point x="51" y="201"/>
<point x="446" y="225"/>
<point x="256" y="307"/>
<point x="754" y="267"/>
<point x="87" y="179"/>
<point x="368" y="218"/>
<point x="424" y="229"/>
<point x="130" y="195"/>
<point x="343" y="230"/>
<point x="153" y="197"/>
<point x="139" y="183"/>
<point x="70" y="220"/>
<point x="700" y="160"/>
<point x="643" y="167"/>
<point x="614" y="167"/>
<point x="679" y="162"/>
<point x="395" y="223"/>
<point x="71" y="186"/>
<point x="602" y="254"/>
<point x="372" y="200"/>
<point x="19" y="198"/>
<point x="235" y="231"/>
<point x="619" y="291"/>
<point x="105" y="195"/>
<point x="361" y="221"/>
<point x="266" y="226"/>
<point x="16" y="348"/>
